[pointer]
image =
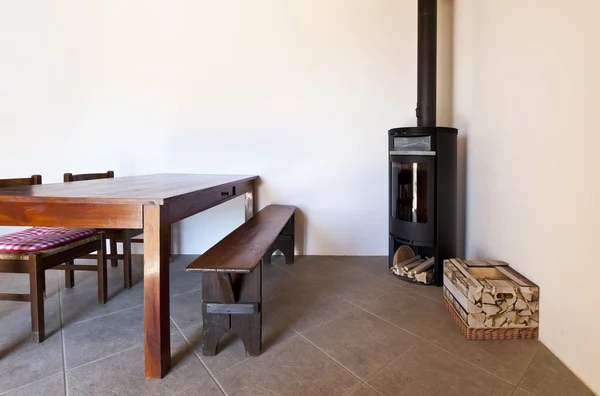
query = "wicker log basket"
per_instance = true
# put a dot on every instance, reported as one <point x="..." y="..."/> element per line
<point x="490" y="333"/>
<point x="488" y="300"/>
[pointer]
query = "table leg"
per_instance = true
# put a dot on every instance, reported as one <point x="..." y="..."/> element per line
<point x="157" y="251"/>
<point x="250" y="203"/>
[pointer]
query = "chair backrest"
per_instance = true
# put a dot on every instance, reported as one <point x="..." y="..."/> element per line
<point x="70" y="177"/>
<point x="25" y="181"/>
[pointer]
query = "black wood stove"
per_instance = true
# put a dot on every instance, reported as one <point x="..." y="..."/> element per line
<point x="422" y="166"/>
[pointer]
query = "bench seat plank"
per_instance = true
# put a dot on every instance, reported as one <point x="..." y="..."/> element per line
<point x="242" y="249"/>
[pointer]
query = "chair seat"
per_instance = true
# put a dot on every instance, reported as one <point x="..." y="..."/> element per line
<point x="49" y="252"/>
<point x="36" y="239"/>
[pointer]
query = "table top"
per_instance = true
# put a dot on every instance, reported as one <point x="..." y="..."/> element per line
<point x="147" y="189"/>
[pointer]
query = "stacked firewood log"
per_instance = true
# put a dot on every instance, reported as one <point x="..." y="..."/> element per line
<point x="490" y="294"/>
<point x="414" y="267"/>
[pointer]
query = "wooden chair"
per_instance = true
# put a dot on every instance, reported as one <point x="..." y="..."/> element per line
<point x="114" y="236"/>
<point x="36" y="249"/>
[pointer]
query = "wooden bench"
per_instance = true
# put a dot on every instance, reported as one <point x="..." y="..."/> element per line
<point x="232" y="278"/>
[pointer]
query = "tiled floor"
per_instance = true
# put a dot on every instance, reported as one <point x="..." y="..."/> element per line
<point x="332" y="326"/>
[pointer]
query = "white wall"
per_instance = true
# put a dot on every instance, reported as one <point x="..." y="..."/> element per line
<point x="299" y="92"/>
<point x="302" y="92"/>
<point x="527" y="99"/>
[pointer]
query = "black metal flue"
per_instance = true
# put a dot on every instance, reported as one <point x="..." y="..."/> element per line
<point x="427" y="63"/>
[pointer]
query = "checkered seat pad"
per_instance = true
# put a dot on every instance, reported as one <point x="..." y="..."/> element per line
<point x="36" y="239"/>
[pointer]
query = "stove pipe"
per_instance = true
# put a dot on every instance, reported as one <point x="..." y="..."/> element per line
<point x="427" y="63"/>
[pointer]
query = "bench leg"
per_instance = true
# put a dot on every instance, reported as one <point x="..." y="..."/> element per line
<point x="219" y="290"/>
<point x="284" y="243"/>
<point x="249" y="327"/>
<point x="214" y="326"/>
<point x="286" y="246"/>
<point x="268" y="257"/>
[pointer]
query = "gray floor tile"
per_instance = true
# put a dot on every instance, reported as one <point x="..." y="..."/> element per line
<point x="277" y="281"/>
<point x="15" y="320"/>
<point x="23" y="363"/>
<point x="180" y="281"/>
<point x="506" y="359"/>
<point x="306" y="307"/>
<point x="433" y="292"/>
<point x="293" y="368"/>
<point x="231" y="350"/>
<point x="361" y="342"/>
<point x="12" y="312"/>
<point x="19" y="283"/>
<point x="186" y="309"/>
<point x="100" y="337"/>
<point x="357" y="262"/>
<point x="51" y="386"/>
<point x="123" y="374"/>
<point x="89" y="279"/>
<point x="317" y="268"/>
<point x="184" y="282"/>
<point x="275" y="331"/>
<point x="21" y="360"/>
<point x="312" y="296"/>
<point x="425" y="370"/>
<point x="410" y="311"/>
<point x="357" y="287"/>
<point x="207" y="388"/>
<point x="137" y="263"/>
<point x="81" y="302"/>
<point x="378" y="266"/>
<point x="365" y="391"/>
<point x="548" y="376"/>
<point x="520" y="392"/>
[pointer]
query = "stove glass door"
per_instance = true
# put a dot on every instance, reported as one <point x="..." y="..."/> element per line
<point x="409" y="191"/>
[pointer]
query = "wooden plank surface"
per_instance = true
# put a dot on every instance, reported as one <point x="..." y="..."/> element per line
<point x="53" y="214"/>
<point x="147" y="189"/>
<point x="243" y="248"/>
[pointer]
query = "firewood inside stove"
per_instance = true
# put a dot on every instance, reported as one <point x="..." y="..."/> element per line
<point x="412" y="266"/>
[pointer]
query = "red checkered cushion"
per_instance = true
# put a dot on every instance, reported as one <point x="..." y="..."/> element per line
<point x="40" y="238"/>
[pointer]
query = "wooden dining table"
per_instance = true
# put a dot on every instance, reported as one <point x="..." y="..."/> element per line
<point x="150" y="202"/>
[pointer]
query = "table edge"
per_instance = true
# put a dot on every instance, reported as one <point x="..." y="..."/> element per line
<point x="7" y="199"/>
